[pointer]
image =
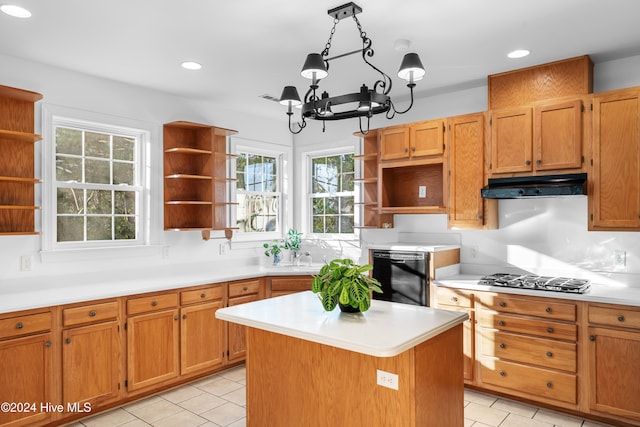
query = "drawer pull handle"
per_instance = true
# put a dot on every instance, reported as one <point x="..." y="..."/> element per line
<point x="502" y="304"/>
<point x="154" y="303"/>
<point x="503" y="374"/>
<point x="550" y="330"/>
<point x="621" y="318"/>
<point x="19" y="325"/>
<point x="550" y="384"/>
<point x="68" y="341"/>
<point x="549" y="354"/>
<point x="92" y="313"/>
<point x="203" y="295"/>
<point x="454" y="299"/>
<point x="502" y="345"/>
<point x="548" y="309"/>
<point x="245" y="288"/>
<point x="500" y="322"/>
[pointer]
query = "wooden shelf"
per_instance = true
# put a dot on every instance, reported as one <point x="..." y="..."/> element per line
<point x="19" y="136"/>
<point x="187" y="202"/>
<point x="186" y="150"/>
<point x="413" y="209"/>
<point x="20" y="180"/>
<point x="187" y="176"/>
<point x="19" y="208"/>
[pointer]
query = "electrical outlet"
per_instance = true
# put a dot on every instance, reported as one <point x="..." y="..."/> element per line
<point x="387" y="379"/>
<point x="473" y="251"/>
<point x="422" y="191"/>
<point x="165" y="252"/>
<point x="25" y="263"/>
<point x="222" y="248"/>
<point x="619" y="258"/>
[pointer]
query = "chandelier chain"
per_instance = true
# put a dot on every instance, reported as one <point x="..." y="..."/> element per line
<point x="325" y="52"/>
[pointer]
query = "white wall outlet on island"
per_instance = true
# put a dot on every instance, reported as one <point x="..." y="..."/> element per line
<point x="387" y="379"/>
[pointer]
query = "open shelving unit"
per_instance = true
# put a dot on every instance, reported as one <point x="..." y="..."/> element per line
<point x="17" y="168"/>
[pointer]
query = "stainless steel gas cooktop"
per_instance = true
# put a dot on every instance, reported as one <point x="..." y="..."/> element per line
<point x="531" y="281"/>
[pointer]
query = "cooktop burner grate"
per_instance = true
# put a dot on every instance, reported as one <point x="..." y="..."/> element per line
<point x="531" y="281"/>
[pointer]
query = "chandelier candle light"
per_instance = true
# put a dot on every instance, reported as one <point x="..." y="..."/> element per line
<point x="364" y="103"/>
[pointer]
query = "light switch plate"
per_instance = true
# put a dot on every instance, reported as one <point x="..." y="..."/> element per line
<point x="422" y="191"/>
<point x="387" y="379"/>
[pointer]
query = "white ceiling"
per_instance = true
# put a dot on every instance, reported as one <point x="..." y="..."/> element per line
<point x="249" y="48"/>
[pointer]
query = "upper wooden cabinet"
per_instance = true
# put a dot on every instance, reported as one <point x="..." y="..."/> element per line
<point x="538" y="139"/>
<point x="614" y="194"/>
<point x="195" y="176"/>
<point x="17" y="206"/>
<point x="415" y="140"/>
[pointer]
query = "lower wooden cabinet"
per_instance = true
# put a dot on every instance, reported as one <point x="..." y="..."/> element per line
<point x="284" y="285"/>
<point x="201" y="338"/>
<point x="237" y="334"/>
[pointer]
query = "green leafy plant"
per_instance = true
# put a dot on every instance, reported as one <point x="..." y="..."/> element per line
<point x="345" y="282"/>
<point x="274" y="248"/>
<point x="293" y="240"/>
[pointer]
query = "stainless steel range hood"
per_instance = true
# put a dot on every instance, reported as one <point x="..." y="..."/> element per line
<point x="536" y="186"/>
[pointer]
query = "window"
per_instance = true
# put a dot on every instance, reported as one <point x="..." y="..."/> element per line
<point x="97" y="185"/>
<point x="257" y="193"/>
<point x="332" y="194"/>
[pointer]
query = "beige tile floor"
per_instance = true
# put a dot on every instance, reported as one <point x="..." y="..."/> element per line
<point x="219" y="400"/>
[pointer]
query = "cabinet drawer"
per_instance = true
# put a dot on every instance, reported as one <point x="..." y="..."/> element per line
<point x="153" y="303"/>
<point x="210" y="293"/>
<point x="536" y="351"/>
<point x="530" y="307"/>
<point x="454" y="297"/>
<point x="23" y="325"/>
<point x="535" y="381"/>
<point x="291" y="284"/>
<point x="244" y="288"/>
<point x="539" y="327"/>
<point x="613" y="316"/>
<point x="89" y="313"/>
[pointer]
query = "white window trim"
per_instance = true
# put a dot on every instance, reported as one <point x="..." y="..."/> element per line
<point x="305" y="207"/>
<point x="282" y="155"/>
<point x="59" y="115"/>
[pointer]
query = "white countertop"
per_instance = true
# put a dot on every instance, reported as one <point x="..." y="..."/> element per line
<point x="413" y="247"/>
<point x="386" y="329"/>
<point x="609" y="293"/>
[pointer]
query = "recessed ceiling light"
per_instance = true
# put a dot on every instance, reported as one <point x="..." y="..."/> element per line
<point x="190" y="65"/>
<point x="15" y="11"/>
<point x="519" y="53"/>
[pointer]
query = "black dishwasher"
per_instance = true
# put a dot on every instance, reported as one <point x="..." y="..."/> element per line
<point x="403" y="276"/>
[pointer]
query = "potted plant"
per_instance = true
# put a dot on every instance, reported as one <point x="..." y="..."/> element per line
<point x="274" y="248"/>
<point x="345" y="283"/>
<point x="292" y="243"/>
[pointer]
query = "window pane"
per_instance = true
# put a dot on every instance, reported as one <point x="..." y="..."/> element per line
<point x="347" y="163"/>
<point x="68" y="169"/>
<point x="97" y="171"/>
<point x="346" y="224"/>
<point x="99" y="201"/>
<point x="125" y="228"/>
<point x="331" y="224"/>
<point x="241" y="163"/>
<point x="331" y="205"/>
<point x="96" y="145"/>
<point x="70" y="228"/>
<point x="70" y="200"/>
<point x="346" y="205"/>
<point x="318" y="205"/>
<point x="257" y="213"/>
<point x="99" y="228"/>
<point x="123" y="173"/>
<point x="69" y="141"/>
<point x="125" y="203"/>
<point x="318" y="224"/>
<point x="124" y="148"/>
<point x="347" y="182"/>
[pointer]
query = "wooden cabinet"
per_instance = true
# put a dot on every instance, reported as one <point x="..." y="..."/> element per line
<point x="195" y="177"/>
<point x="614" y="360"/>
<point x="461" y="300"/>
<point x="201" y="333"/>
<point x="614" y="194"/>
<point x="284" y="285"/>
<point x="538" y="139"/>
<point x="467" y="209"/>
<point x="415" y="140"/>
<point x="26" y="368"/>
<point x="240" y="292"/>
<point x="152" y="340"/>
<point x="17" y="167"/>
<point x="528" y="347"/>
<point x="370" y="216"/>
<point x="91" y="356"/>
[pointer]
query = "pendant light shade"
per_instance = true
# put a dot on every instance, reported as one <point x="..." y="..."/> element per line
<point x="314" y="64"/>
<point x="411" y="68"/>
<point x="290" y="96"/>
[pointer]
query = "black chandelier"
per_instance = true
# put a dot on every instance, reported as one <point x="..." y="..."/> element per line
<point x="364" y="103"/>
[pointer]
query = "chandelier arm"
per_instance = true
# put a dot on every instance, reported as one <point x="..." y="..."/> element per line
<point x="368" y="127"/>
<point x="301" y="125"/>
<point x="393" y="107"/>
<point x="386" y="83"/>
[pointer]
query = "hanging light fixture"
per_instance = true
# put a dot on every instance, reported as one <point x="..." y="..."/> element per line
<point x="367" y="101"/>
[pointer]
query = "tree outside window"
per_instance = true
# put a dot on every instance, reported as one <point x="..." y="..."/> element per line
<point x="332" y="194"/>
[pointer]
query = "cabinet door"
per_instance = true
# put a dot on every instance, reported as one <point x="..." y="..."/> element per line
<point x="427" y="138"/>
<point x="466" y="166"/>
<point x="201" y="338"/>
<point x="511" y="140"/>
<point x="26" y="370"/>
<point x="614" y="361"/>
<point x="152" y="348"/>
<point x="238" y="333"/>
<point x="394" y="143"/>
<point x="91" y="363"/>
<point x="615" y="199"/>
<point x="558" y="136"/>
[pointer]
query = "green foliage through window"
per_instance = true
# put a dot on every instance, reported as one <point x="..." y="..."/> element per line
<point x="332" y="194"/>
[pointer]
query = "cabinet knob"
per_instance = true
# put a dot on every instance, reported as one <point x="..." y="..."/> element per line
<point x="538" y="162"/>
<point x="549" y="384"/>
<point x="413" y="149"/>
<point x="503" y="374"/>
<point x="621" y="318"/>
<point x="406" y="150"/>
<point x="454" y="299"/>
<point x="592" y="337"/>
<point x="502" y="304"/>
<point x="184" y="316"/>
<point x="245" y="288"/>
<point x="47" y="344"/>
<point x="500" y="322"/>
<point x="502" y="345"/>
<point x="92" y="313"/>
<point x="176" y="317"/>
<point x="548" y="309"/>
<point x="68" y="340"/>
<point x="203" y="295"/>
<point x="550" y="330"/>
<point x="19" y="325"/>
<point x="154" y="303"/>
<point x="549" y="354"/>
<point x="528" y="162"/>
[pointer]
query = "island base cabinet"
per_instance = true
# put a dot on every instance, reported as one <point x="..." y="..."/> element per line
<point x="292" y="380"/>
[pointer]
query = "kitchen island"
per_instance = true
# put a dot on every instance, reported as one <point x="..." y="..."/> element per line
<point x="395" y="364"/>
